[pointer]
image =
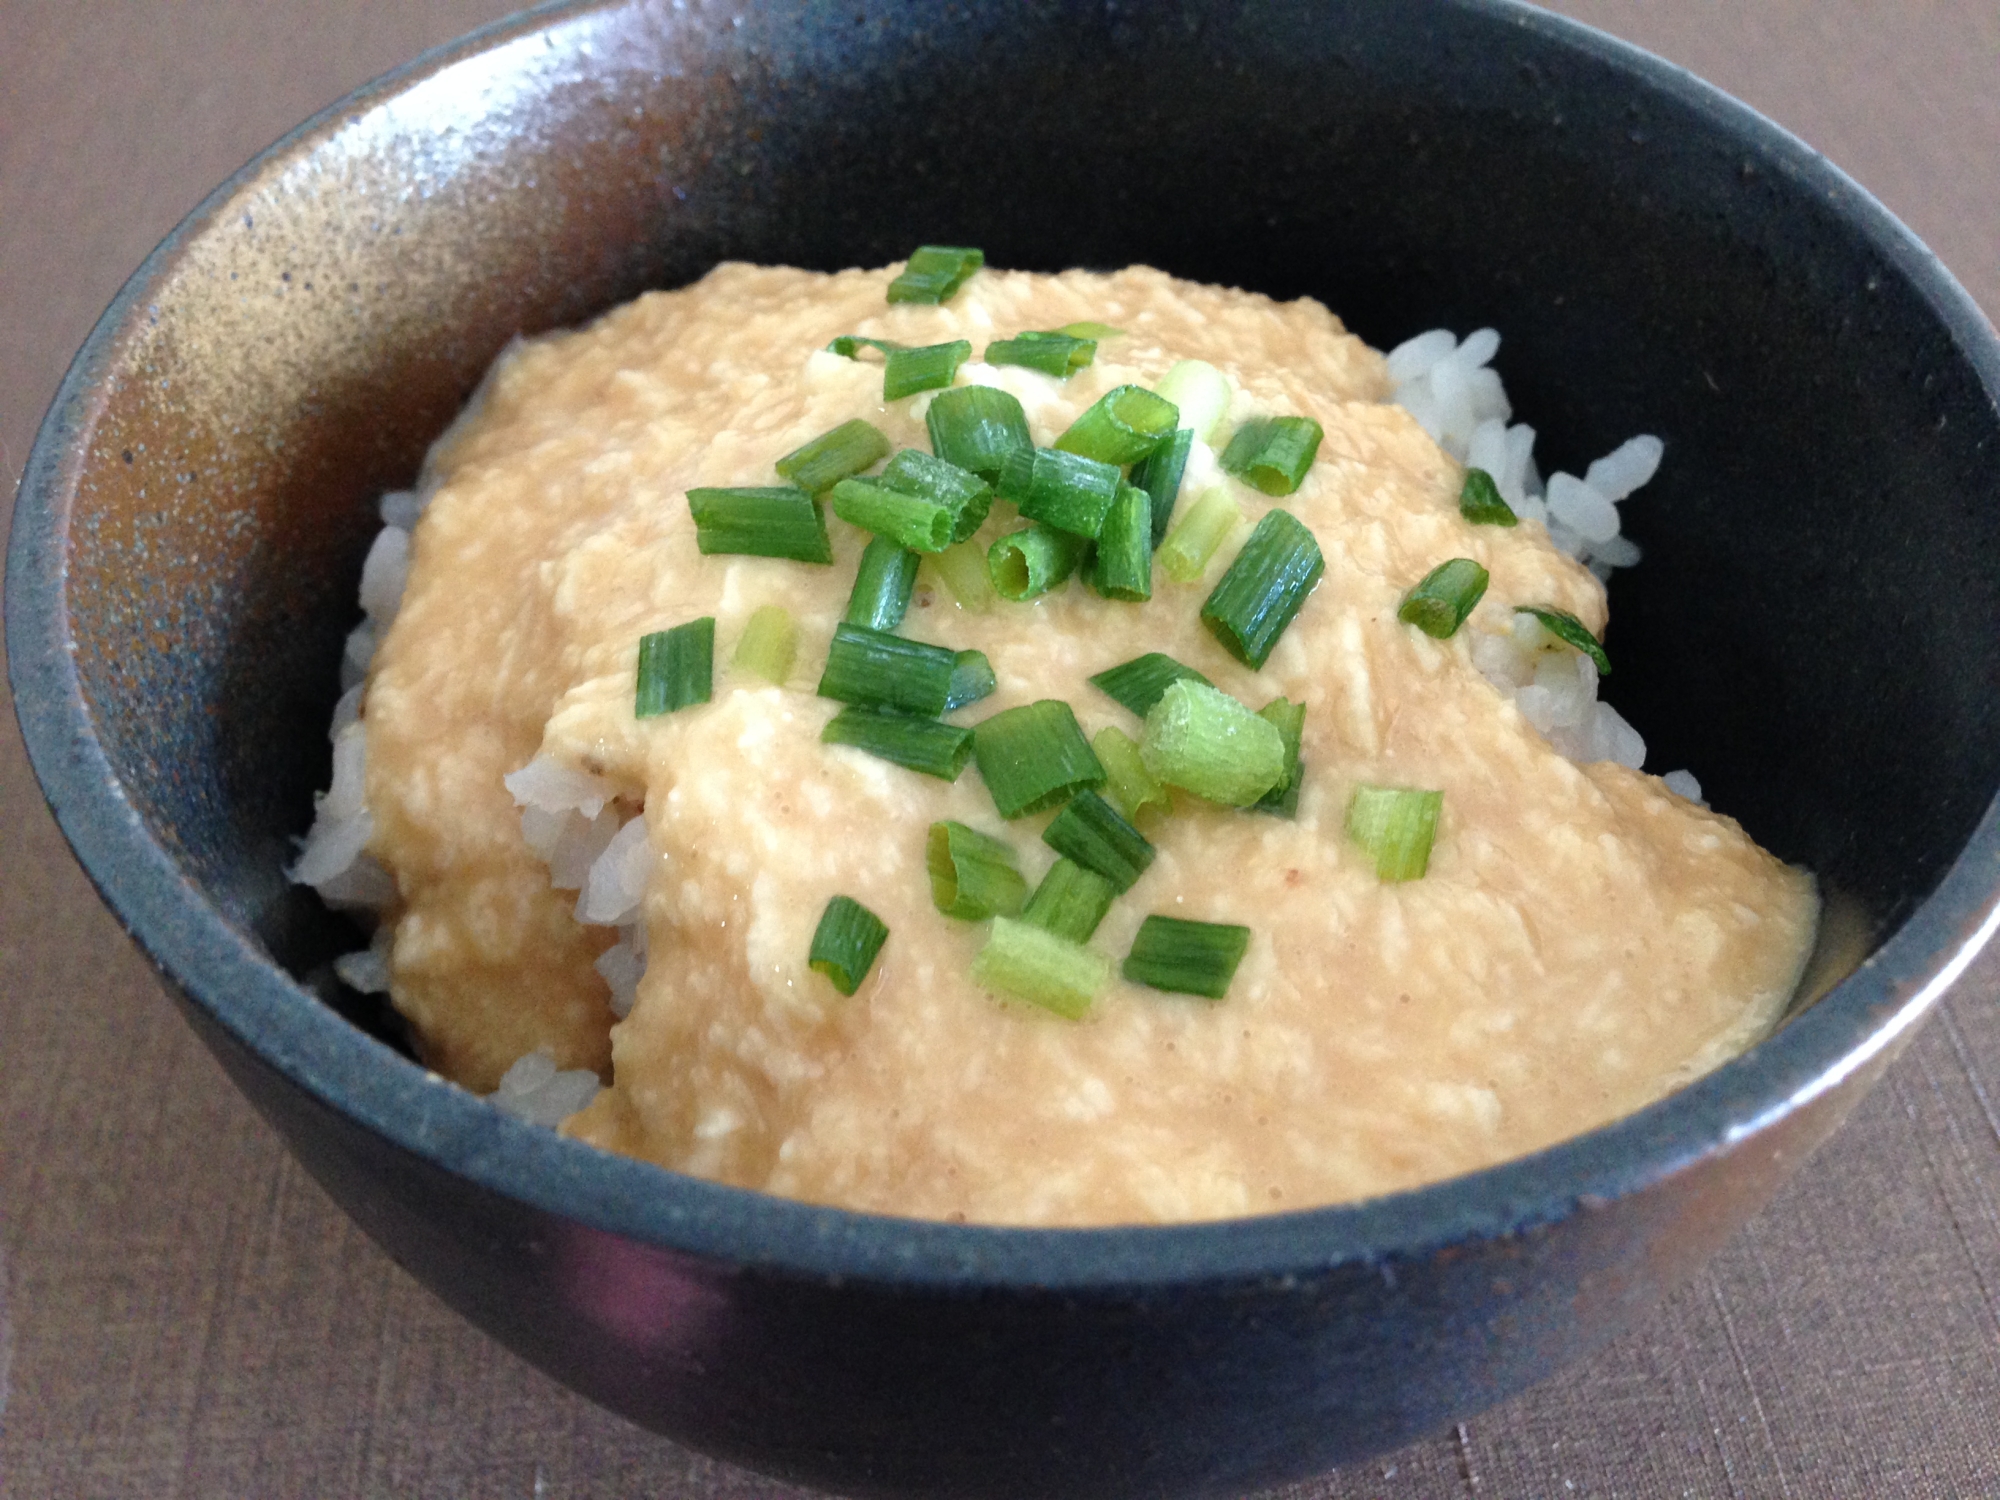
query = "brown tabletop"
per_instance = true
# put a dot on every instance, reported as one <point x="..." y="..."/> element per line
<point x="183" y="1313"/>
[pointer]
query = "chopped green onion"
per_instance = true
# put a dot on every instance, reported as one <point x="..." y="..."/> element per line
<point x="1290" y="718"/>
<point x="1070" y="901"/>
<point x="850" y="345"/>
<point x="833" y="456"/>
<point x="1396" y="826"/>
<point x="929" y="367"/>
<point x="879" y="670"/>
<point x="1480" y="501"/>
<point x="1201" y="392"/>
<point x="1026" y="563"/>
<point x="1205" y="742"/>
<point x="845" y="943"/>
<point x="1121" y="427"/>
<point x="1184" y="555"/>
<point x="922" y="745"/>
<point x="1034" y="756"/>
<point x="1188" y="958"/>
<point x="976" y="427"/>
<point x="934" y="272"/>
<point x="1131" y="787"/>
<point x="965" y="494"/>
<point x="770" y="642"/>
<point x="676" y="668"/>
<point x="1439" y="605"/>
<point x="1138" y="683"/>
<point x="971" y="679"/>
<point x="1124" y="563"/>
<point x="1031" y="964"/>
<point x="1057" y="354"/>
<point x="882" y="585"/>
<point x="1273" y="453"/>
<point x="1571" y="631"/>
<point x="776" y="522"/>
<point x="1091" y="831"/>
<point x="907" y="520"/>
<point x="963" y="570"/>
<point x="972" y="873"/>
<point x="1063" y="490"/>
<point x="1264" y="588"/>
<point x="1089" y="330"/>
<point x="1159" y="475"/>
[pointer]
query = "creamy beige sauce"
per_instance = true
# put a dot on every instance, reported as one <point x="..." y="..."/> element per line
<point x="1584" y="942"/>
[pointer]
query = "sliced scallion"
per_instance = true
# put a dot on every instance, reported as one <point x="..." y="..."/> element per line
<point x="1439" y="605"/>
<point x="1193" y="539"/>
<point x="922" y="745"/>
<point x="879" y="670"/>
<point x="1070" y="901"/>
<point x="1200" y="391"/>
<point x="833" y="456"/>
<point x="780" y="521"/>
<point x="1057" y="354"/>
<point x="1064" y="490"/>
<point x="1032" y="561"/>
<point x="1159" y="475"/>
<point x="1092" y="832"/>
<point x="1273" y="453"/>
<point x="1188" y="958"/>
<point x="929" y="367"/>
<point x="1480" y="501"/>
<point x="962" y="569"/>
<point x="1034" y="756"/>
<point x="770" y="643"/>
<point x="1032" y="964"/>
<point x="1138" y="683"/>
<point x="1131" y="788"/>
<point x="882" y="585"/>
<point x="676" y="668"/>
<point x="965" y="494"/>
<point x="976" y="427"/>
<point x="971" y="679"/>
<point x="907" y="520"/>
<point x="1090" y="330"/>
<point x="972" y="873"/>
<point x="1264" y="588"/>
<point x="1396" y="826"/>
<point x="934" y="273"/>
<point x="1123" y="568"/>
<point x="1290" y="718"/>
<point x="1571" y="631"/>
<point x="1121" y="427"/>
<point x="845" y="943"/>
<point x="850" y="345"/>
<point x="1205" y="742"/>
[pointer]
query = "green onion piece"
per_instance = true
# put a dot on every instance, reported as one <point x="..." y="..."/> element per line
<point x="777" y="522"/>
<point x="1031" y="964"/>
<point x="1264" y="588"/>
<point x="1396" y="826"/>
<point x="1571" y="631"/>
<point x="1091" y="831"/>
<point x="1026" y="563"/>
<point x="929" y="367"/>
<point x="850" y="345"/>
<point x="879" y="670"/>
<point x="907" y="520"/>
<point x="1188" y="958"/>
<point x="676" y="668"/>
<point x="882" y="585"/>
<point x="845" y="943"/>
<point x="1273" y="453"/>
<point x="1063" y="490"/>
<point x="971" y="679"/>
<point x="972" y="874"/>
<point x="1480" y="501"/>
<point x="1034" y="756"/>
<point x="1205" y="742"/>
<point x="1089" y="330"/>
<point x="922" y="745"/>
<point x="1290" y="718"/>
<point x="1439" y="605"/>
<point x="1131" y="787"/>
<point x="963" y="570"/>
<point x="769" y="644"/>
<point x="976" y="427"/>
<point x="1124" y="562"/>
<point x="1070" y="901"/>
<point x="1121" y="427"/>
<point x="1184" y="555"/>
<point x="1201" y="392"/>
<point x="965" y="494"/>
<point x="1138" y="683"/>
<point x="1159" y="475"/>
<point x="833" y="456"/>
<point x="935" y="272"/>
<point x="1057" y="354"/>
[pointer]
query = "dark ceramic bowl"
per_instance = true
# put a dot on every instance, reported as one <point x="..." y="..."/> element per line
<point x="1816" y="629"/>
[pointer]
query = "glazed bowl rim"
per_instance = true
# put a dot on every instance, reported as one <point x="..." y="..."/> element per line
<point x="225" y="974"/>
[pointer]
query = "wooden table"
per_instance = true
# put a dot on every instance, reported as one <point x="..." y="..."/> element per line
<point x="182" y="1313"/>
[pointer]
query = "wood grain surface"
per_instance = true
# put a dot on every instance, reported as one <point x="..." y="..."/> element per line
<point x="183" y="1313"/>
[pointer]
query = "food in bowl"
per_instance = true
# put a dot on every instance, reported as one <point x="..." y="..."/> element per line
<point x="1139" y="771"/>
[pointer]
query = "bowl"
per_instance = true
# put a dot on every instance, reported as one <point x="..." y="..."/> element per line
<point x="1814" y="628"/>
